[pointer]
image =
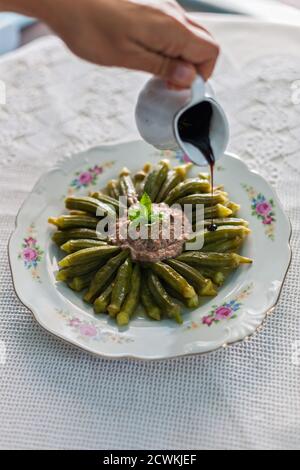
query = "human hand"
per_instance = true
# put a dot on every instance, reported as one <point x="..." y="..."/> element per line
<point x="155" y="36"/>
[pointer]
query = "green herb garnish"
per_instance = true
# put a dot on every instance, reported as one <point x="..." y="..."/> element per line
<point x="144" y="214"/>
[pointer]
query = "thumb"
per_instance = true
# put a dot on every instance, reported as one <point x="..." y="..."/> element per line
<point x="177" y="72"/>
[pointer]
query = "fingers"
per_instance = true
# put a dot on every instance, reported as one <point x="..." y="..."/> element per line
<point x="177" y="73"/>
<point x="195" y="22"/>
<point x="184" y="41"/>
<point x="202" y="50"/>
<point x="207" y="67"/>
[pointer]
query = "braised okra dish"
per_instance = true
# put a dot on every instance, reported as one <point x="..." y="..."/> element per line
<point x="134" y="244"/>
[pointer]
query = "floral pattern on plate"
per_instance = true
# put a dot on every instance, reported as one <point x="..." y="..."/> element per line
<point x="226" y="311"/>
<point x="31" y="254"/>
<point x="263" y="209"/>
<point x="89" y="177"/>
<point x="90" y="330"/>
<point x="219" y="168"/>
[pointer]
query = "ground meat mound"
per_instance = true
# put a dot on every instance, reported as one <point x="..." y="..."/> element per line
<point x="161" y="240"/>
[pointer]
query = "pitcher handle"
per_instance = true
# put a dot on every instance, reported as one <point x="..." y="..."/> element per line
<point x="198" y="90"/>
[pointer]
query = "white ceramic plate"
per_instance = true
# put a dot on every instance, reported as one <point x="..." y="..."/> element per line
<point x="237" y="311"/>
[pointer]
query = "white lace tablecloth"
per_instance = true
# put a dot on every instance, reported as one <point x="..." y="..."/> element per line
<point x="55" y="396"/>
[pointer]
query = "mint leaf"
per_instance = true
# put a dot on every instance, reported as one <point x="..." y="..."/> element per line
<point x="147" y="205"/>
<point x="145" y="213"/>
<point x="155" y="218"/>
<point x="134" y="214"/>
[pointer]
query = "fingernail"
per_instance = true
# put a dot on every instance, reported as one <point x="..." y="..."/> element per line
<point x="183" y="75"/>
<point x="173" y="87"/>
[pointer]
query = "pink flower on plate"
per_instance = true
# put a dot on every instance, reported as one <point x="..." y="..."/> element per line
<point x="263" y="208"/>
<point x="74" y="322"/>
<point x="267" y="220"/>
<point x="29" y="254"/>
<point x="88" y="330"/>
<point x="97" y="170"/>
<point x="30" y="241"/>
<point x="186" y="159"/>
<point x="208" y="320"/>
<point x="223" y="312"/>
<point x="85" y="178"/>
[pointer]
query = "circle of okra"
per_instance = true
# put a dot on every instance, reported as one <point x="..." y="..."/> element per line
<point x="116" y="285"/>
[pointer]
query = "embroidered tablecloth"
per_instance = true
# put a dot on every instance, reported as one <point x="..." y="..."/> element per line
<point x="55" y="396"/>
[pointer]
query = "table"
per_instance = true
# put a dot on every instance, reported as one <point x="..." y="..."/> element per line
<point x="55" y="396"/>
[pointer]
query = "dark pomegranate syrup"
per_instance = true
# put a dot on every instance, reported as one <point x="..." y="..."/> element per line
<point x="194" y="127"/>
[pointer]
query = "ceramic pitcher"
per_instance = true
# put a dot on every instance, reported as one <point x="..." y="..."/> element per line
<point x="158" y="112"/>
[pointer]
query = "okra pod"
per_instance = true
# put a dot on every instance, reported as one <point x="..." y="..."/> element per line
<point x="156" y="178"/>
<point x="103" y="301"/>
<point x="64" y="222"/>
<point x="107" y="200"/>
<point x="227" y="221"/>
<point x="151" y="308"/>
<point x="204" y="176"/>
<point x="218" y="211"/>
<point x="79" y="283"/>
<point x="218" y="260"/>
<point x="172" y="180"/>
<point x="233" y="207"/>
<point x="174" y="177"/>
<point x="127" y="189"/>
<point x="147" y="167"/>
<point x="113" y="189"/>
<point x="193" y="302"/>
<point x="75" y="271"/>
<point x="223" y="246"/>
<point x="132" y="299"/>
<point x="76" y="245"/>
<point x="88" y="255"/>
<point x="139" y="182"/>
<point x="61" y="237"/>
<point x="162" y="298"/>
<point x="125" y="172"/>
<point x="90" y="205"/>
<point x="223" y="233"/>
<point x="217" y="277"/>
<point x="79" y="213"/>
<point x="204" y="199"/>
<point x="183" y="170"/>
<point x="174" y="279"/>
<point x="139" y="176"/>
<point x="203" y="286"/>
<point x="189" y="186"/>
<point x="121" y="287"/>
<point x="103" y="275"/>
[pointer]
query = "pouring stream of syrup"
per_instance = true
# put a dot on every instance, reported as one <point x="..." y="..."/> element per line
<point x="194" y="127"/>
